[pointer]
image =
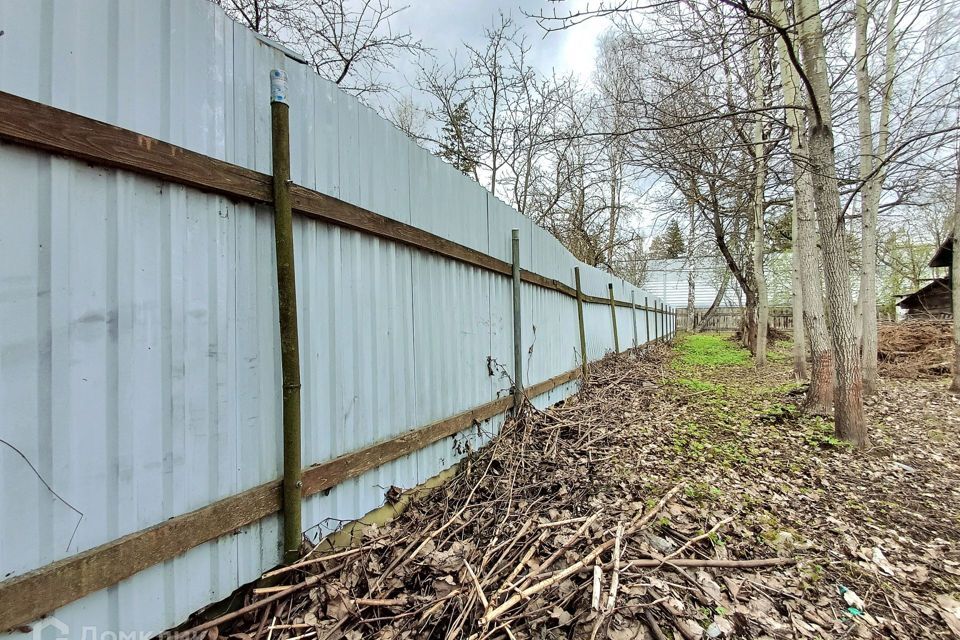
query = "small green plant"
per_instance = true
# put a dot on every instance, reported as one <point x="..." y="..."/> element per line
<point x="702" y="491"/>
<point x="776" y="356"/>
<point x="812" y="574"/>
<point x="778" y="413"/>
<point x="818" y="432"/>
<point x="697" y="385"/>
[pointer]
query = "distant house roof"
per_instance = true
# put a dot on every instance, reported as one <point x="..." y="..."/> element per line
<point x="943" y="256"/>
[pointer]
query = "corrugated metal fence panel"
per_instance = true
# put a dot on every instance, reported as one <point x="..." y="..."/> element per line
<point x="131" y="410"/>
<point x="501" y="220"/>
<point x="551" y="334"/>
<point x="139" y="354"/>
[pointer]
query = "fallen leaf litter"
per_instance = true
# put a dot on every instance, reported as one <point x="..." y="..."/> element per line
<point x="664" y="500"/>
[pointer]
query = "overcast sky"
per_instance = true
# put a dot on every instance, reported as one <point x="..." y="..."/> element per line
<point x="443" y="25"/>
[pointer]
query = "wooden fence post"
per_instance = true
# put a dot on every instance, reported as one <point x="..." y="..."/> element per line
<point x="287" y="294"/>
<point x="613" y="315"/>
<point x="517" y="326"/>
<point x="583" y="333"/>
<point x="633" y="312"/>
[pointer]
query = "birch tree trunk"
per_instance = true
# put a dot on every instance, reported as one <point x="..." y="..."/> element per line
<point x="691" y="280"/>
<point x="872" y="176"/>
<point x="849" y="419"/>
<point x="759" y="153"/>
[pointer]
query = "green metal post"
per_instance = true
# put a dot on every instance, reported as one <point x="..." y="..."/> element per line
<point x="287" y="290"/>
<point x="613" y="315"/>
<point x="633" y="311"/>
<point x="583" y="333"/>
<point x="656" y="322"/>
<point x="646" y="317"/>
<point x="517" y="327"/>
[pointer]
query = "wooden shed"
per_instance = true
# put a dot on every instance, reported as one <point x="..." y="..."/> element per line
<point x="934" y="299"/>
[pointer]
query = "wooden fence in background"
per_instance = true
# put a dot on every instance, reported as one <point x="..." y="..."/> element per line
<point x="730" y="318"/>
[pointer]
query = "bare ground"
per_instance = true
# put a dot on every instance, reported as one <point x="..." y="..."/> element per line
<point x="606" y="517"/>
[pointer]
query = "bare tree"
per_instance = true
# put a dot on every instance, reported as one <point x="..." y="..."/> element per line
<point x="872" y="179"/>
<point x="849" y="418"/>
<point x="350" y="42"/>
<point x="819" y="398"/>
<point x="759" y="201"/>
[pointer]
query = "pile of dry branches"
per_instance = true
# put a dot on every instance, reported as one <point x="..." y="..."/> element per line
<point x="540" y="534"/>
<point x="914" y="348"/>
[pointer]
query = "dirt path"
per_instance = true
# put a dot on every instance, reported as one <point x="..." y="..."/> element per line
<point x="551" y="531"/>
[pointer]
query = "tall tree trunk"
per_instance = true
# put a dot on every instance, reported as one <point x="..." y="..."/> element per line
<point x="819" y="399"/>
<point x="760" y="179"/>
<point x="955" y="282"/>
<point x="749" y="320"/>
<point x="614" y="205"/>
<point x="849" y="420"/>
<point x="796" y="281"/>
<point x="871" y="175"/>
<point x="691" y="279"/>
<point x="868" y="228"/>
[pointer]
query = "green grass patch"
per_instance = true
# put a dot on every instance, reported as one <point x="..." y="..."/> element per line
<point x="778" y="357"/>
<point x="710" y="350"/>
<point x="697" y="385"/>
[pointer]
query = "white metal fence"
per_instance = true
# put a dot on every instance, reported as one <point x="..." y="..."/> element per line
<point x="139" y="360"/>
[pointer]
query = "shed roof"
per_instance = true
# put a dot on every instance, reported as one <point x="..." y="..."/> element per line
<point x="915" y="299"/>
<point x="943" y="256"/>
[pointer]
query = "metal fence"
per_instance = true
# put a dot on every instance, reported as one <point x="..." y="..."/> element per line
<point x="139" y="345"/>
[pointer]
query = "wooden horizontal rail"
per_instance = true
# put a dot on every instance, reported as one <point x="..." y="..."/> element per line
<point x="551" y="384"/>
<point x="39" y="126"/>
<point x="27" y="597"/>
<point x="323" y="476"/>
